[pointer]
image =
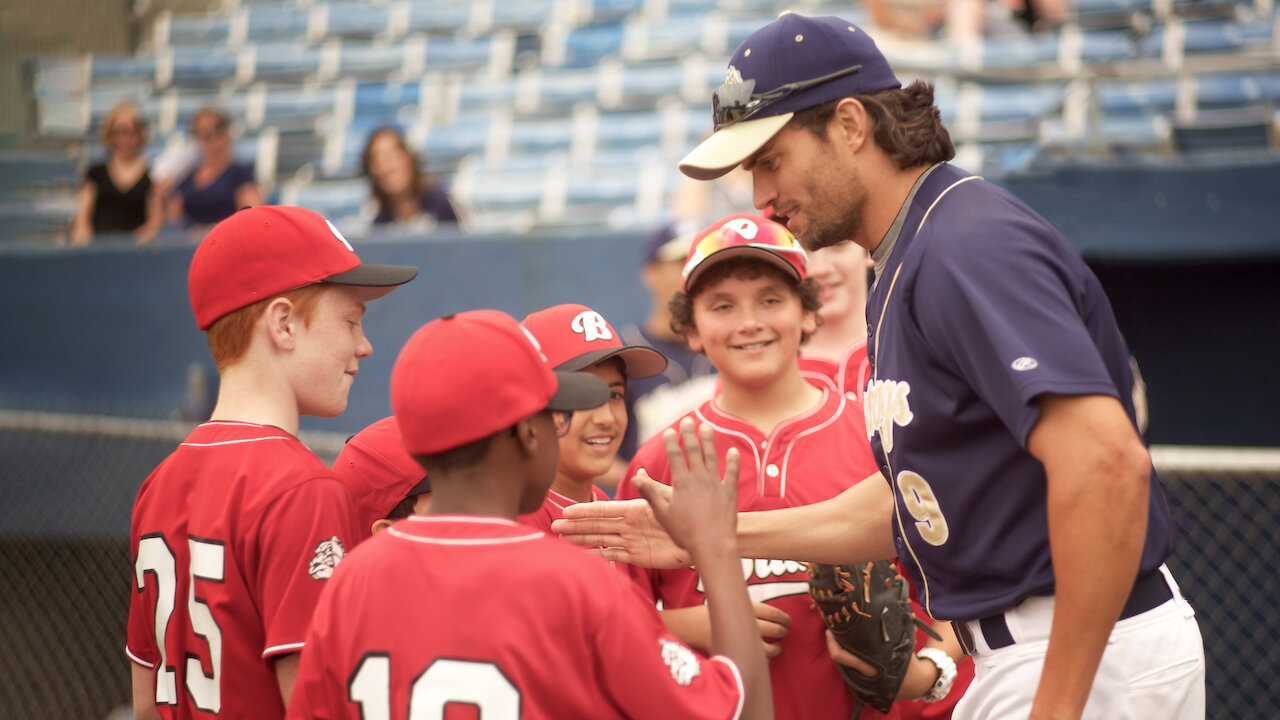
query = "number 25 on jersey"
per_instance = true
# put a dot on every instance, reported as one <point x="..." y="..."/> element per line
<point x="157" y="564"/>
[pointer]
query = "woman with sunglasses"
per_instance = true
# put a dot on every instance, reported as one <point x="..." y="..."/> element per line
<point x="218" y="186"/>
<point x="118" y="196"/>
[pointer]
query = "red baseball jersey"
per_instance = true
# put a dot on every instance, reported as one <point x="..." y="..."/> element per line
<point x="807" y="459"/>
<point x="553" y="509"/>
<point x="233" y="537"/>
<point x="466" y="613"/>
<point x="849" y="375"/>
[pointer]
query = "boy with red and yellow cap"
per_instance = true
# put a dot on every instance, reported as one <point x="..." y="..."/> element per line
<point x="748" y="303"/>
<point x="234" y="535"/>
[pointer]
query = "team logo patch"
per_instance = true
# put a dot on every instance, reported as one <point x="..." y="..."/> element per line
<point x="884" y="405"/>
<point x="591" y="326"/>
<point x="328" y="554"/>
<point x="1024" y="364"/>
<point x="732" y="76"/>
<point x="681" y="661"/>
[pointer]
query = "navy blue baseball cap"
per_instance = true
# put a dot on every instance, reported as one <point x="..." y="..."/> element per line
<point x="793" y="63"/>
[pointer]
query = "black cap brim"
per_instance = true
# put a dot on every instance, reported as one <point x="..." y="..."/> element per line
<point x="367" y="275"/>
<point x="578" y="391"/>
<point x="423" y="486"/>
<point x="641" y="361"/>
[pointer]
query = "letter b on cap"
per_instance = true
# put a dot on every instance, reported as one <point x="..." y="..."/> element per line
<point x="591" y="326"/>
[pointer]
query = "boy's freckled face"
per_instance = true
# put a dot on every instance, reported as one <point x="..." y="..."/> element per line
<point x="329" y="351"/>
<point x="750" y="329"/>
<point x="587" y="451"/>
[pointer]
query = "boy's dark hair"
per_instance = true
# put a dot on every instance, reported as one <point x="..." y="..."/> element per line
<point x="459" y="457"/>
<point x="742" y="268"/>
<point x="908" y="125"/>
<point x="404" y="508"/>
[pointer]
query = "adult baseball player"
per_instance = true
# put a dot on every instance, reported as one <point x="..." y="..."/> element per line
<point x="1020" y="496"/>
<point x="234" y="534"/>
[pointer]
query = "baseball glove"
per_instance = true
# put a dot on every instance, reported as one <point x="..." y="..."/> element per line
<point x="867" y="606"/>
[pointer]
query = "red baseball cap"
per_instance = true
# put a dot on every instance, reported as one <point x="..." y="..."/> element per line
<point x="379" y="472"/>
<point x="261" y="252"/>
<point x="467" y="376"/>
<point x="575" y="337"/>
<point x="745" y="234"/>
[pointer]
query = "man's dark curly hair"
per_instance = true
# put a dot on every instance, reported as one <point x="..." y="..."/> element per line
<point x="908" y="125"/>
<point x="742" y="268"/>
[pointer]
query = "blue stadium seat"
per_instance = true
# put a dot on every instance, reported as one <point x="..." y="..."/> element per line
<point x="369" y="60"/>
<point x="672" y="36"/>
<point x="640" y="85"/>
<point x="291" y="61"/>
<point x="275" y="23"/>
<point x="445" y="145"/>
<point x="555" y="89"/>
<point x="1103" y="46"/>
<point x="540" y="134"/>
<point x="466" y="53"/>
<point x="1224" y="90"/>
<point x="195" y="67"/>
<point x="1226" y="36"/>
<point x="612" y="10"/>
<point x="621" y="131"/>
<point x="443" y="17"/>
<point x="473" y="97"/>
<point x="381" y="100"/>
<point x="1136" y="97"/>
<point x="129" y="68"/>
<point x="192" y="30"/>
<point x="1019" y="50"/>
<point x="335" y="199"/>
<point x="293" y="106"/>
<point x="352" y="19"/>
<point x="521" y="16"/>
<point x="587" y="46"/>
<point x="1021" y="102"/>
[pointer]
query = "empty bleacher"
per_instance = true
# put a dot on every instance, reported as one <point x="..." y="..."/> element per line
<point x="549" y="113"/>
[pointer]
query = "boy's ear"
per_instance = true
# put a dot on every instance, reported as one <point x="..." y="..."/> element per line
<point x="693" y="339"/>
<point x="527" y="436"/>
<point x="382" y="524"/>
<point x="809" y="323"/>
<point x="279" y="317"/>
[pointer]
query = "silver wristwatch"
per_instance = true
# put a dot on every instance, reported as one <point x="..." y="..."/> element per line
<point x="946" y="673"/>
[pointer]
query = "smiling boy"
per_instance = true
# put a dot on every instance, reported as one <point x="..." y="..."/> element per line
<point x="234" y="535"/>
<point x="748" y="304"/>
<point x="576" y="338"/>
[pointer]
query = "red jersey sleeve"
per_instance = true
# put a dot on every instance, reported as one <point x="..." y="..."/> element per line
<point x="297" y="543"/>
<point x="650" y="673"/>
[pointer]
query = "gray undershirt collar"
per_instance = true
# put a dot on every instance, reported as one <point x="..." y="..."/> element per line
<point x="885" y="248"/>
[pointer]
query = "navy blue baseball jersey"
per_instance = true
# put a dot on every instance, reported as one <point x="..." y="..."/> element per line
<point x="979" y="306"/>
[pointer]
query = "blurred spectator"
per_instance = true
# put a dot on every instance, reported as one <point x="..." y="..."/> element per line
<point x="218" y="186"/>
<point x="118" y="196"/>
<point x="403" y="192"/>
<point x="965" y="20"/>
<point x="689" y="379"/>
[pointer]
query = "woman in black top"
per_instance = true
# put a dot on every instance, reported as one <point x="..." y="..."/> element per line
<point x="118" y="196"/>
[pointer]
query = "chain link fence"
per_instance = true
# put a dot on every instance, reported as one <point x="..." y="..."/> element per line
<point x="67" y="486"/>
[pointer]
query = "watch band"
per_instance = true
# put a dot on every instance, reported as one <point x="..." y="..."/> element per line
<point x="946" y="673"/>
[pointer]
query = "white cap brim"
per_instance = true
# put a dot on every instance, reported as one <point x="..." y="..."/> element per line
<point x="730" y="145"/>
